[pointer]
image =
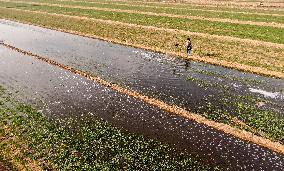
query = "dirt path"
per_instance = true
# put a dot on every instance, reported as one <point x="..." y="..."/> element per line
<point x="276" y="25"/>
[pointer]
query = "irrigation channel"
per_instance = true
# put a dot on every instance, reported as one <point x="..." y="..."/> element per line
<point x="194" y="87"/>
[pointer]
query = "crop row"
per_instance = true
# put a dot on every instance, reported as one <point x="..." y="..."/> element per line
<point x="191" y="6"/>
<point x="264" y="33"/>
<point x="176" y="11"/>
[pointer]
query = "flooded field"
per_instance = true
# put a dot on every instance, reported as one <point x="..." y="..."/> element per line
<point x="63" y="94"/>
<point x="194" y="86"/>
<point x="187" y="85"/>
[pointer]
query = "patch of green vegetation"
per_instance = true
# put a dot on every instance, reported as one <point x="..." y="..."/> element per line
<point x="263" y="33"/>
<point x="90" y="145"/>
<point x="266" y="122"/>
<point x="181" y="11"/>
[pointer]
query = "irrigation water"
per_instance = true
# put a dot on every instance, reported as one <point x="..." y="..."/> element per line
<point x="60" y="93"/>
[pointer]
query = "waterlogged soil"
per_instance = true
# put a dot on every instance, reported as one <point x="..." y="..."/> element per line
<point x="194" y="86"/>
<point x="60" y="94"/>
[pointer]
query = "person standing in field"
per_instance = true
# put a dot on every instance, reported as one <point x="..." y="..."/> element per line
<point x="188" y="50"/>
<point x="189" y="46"/>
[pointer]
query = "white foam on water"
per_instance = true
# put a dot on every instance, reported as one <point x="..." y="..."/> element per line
<point x="236" y="85"/>
<point x="273" y="95"/>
